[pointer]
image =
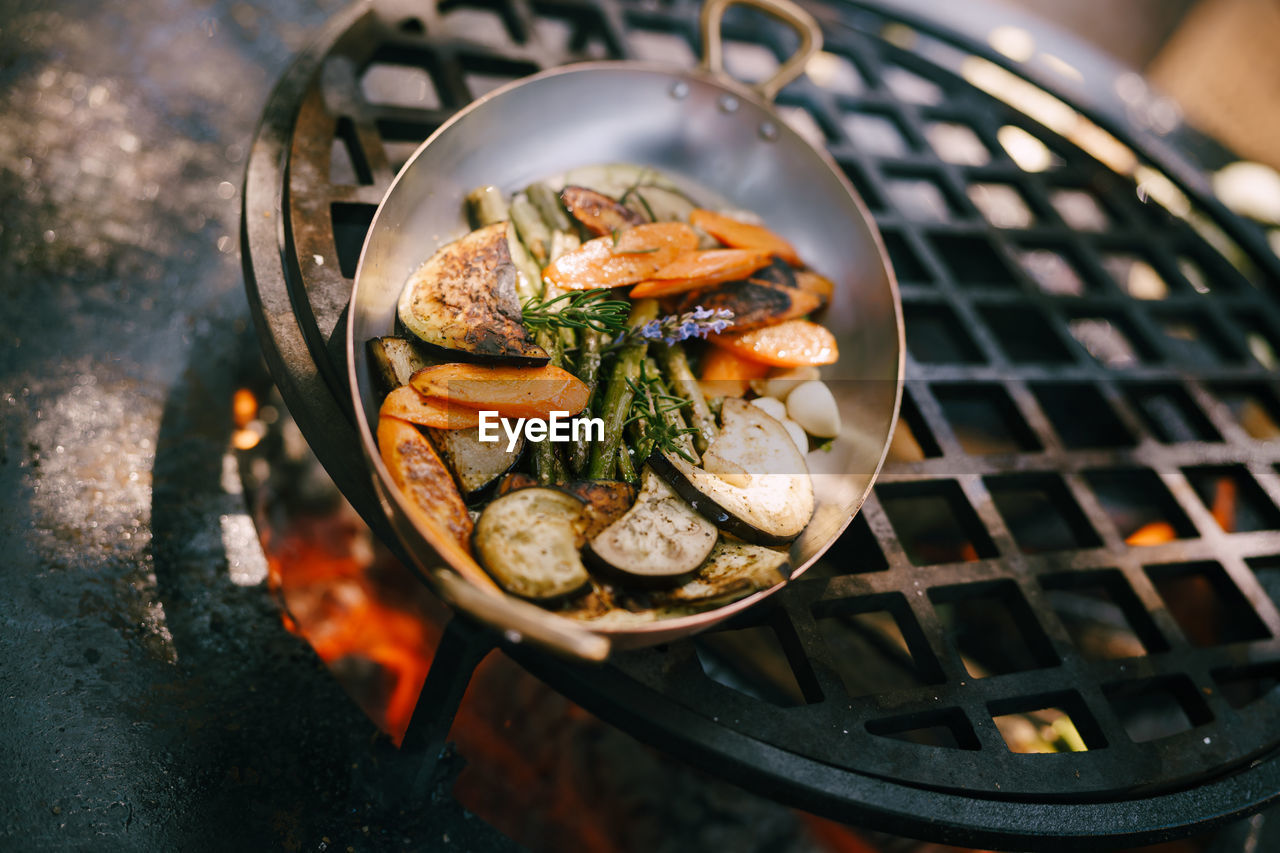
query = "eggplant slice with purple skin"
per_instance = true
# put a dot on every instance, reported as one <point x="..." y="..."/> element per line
<point x="606" y="501"/>
<point x="660" y="540"/>
<point x="463" y="300"/>
<point x="529" y="541"/>
<point x="597" y="212"/>
<point x="753" y="482"/>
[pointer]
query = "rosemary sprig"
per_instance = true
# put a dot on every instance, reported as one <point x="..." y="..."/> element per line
<point x="651" y="405"/>
<point x="578" y="309"/>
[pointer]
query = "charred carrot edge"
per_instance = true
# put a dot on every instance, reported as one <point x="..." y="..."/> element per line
<point x="624" y="258"/>
<point x="516" y="392"/>
<point x="744" y="235"/>
<point x="407" y="404"/>
<point x="699" y="269"/>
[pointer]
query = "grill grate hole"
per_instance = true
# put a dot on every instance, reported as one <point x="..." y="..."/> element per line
<point x="906" y="264"/>
<point x="1170" y="414"/>
<point x="935" y="523"/>
<point x="1081" y="416"/>
<point x="1135" y="276"/>
<point x="1206" y="604"/>
<point x="397" y="85"/>
<point x="992" y="628"/>
<point x="972" y="260"/>
<point x="1111" y="340"/>
<point x="754" y="662"/>
<point x="876" y="645"/>
<point x="856" y="551"/>
<point x="1260" y="341"/>
<point x="1267" y="570"/>
<point x="935" y="336"/>
<point x="1080" y="209"/>
<point x="912" y="439"/>
<point x="984" y="419"/>
<point x="1103" y="615"/>
<point x="1053" y="723"/>
<point x="1052" y="272"/>
<point x="910" y="87"/>
<point x="1024" y="335"/>
<point x="1242" y="686"/>
<point x="1040" y="513"/>
<point x="877" y="134"/>
<point x="1140" y="506"/>
<point x="350" y="224"/>
<point x="1234" y="498"/>
<point x="947" y="729"/>
<point x="1002" y="205"/>
<point x="347" y="162"/>
<point x="919" y="197"/>
<point x="1193" y="339"/>
<point x="1157" y="708"/>
<point x="957" y="143"/>
<point x="1254" y="407"/>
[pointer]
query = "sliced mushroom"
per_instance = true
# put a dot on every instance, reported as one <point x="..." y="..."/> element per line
<point x="529" y="541"/>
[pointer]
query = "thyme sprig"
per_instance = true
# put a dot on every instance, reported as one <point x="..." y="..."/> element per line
<point x="578" y="309"/>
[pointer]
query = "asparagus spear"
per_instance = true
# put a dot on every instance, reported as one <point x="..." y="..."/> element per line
<point x="617" y="395"/>
<point x="485" y="206"/>
<point x="588" y="369"/>
<point x="676" y="361"/>
<point x="672" y="415"/>
<point x="626" y="468"/>
<point x="548" y="204"/>
<point x="533" y="231"/>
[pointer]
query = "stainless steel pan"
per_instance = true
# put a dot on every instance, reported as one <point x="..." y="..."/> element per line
<point x="722" y="135"/>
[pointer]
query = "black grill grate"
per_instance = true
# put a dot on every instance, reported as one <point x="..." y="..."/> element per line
<point x="1086" y="371"/>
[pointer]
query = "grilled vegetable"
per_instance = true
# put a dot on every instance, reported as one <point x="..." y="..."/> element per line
<point x="660" y="539"/>
<point x="676" y="363"/>
<point x="744" y="235"/>
<point x="549" y="207"/>
<point x="658" y="204"/>
<point x="754" y="303"/>
<point x="726" y="374"/>
<point x="790" y="344"/>
<point x="636" y="254"/>
<point x="819" y="285"/>
<point x="698" y="270"/>
<point x="513" y="481"/>
<point x="597" y="212"/>
<point x="475" y="464"/>
<point x="513" y="392"/>
<point x="485" y="206"/>
<point x="393" y="360"/>
<point x="407" y="404"/>
<point x="606" y="501"/>
<point x="733" y="570"/>
<point x="533" y="231"/>
<point x="753" y="482"/>
<point x="528" y="540"/>
<point x="616" y="406"/>
<point x="463" y="299"/>
<point x="432" y="499"/>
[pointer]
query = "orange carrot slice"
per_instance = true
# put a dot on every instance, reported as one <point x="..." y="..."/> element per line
<point x="743" y="235"/>
<point x="794" y="343"/>
<point x="696" y="270"/>
<point x="432" y="500"/>
<point x="512" y="392"/>
<point x="635" y="255"/>
<point x="727" y="374"/>
<point x="407" y="404"/>
<point x="812" y="282"/>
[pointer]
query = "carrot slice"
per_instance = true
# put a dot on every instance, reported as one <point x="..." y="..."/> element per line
<point x="819" y="285"/>
<point x="433" y="501"/>
<point x="513" y="392"/>
<point x="407" y="404"/>
<point x="727" y="374"/>
<point x="635" y="255"/>
<point x="696" y="270"/>
<point x="743" y="235"/>
<point x="791" y="344"/>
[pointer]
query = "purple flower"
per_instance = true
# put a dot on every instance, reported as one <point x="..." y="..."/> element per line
<point x="697" y="323"/>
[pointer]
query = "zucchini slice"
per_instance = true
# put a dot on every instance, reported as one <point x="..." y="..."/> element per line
<point x="753" y="482"/>
<point x="528" y="540"/>
<point x="660" y="539"/>
<point x="463" y="299"/>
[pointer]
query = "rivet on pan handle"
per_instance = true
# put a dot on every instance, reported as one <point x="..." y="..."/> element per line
<point x="520" y="621"/>
<point x="783" y="10"/>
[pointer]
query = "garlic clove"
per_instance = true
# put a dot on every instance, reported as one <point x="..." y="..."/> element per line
<point x="813" y="407"/>
<point x="781" y="383"/>
<point x="797" y="434"/>
<point x="773" y="407"/>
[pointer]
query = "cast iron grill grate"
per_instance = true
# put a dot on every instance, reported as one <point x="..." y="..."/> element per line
<point x="1088" y="431"/>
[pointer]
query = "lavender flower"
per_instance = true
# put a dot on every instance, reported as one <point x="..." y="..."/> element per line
<point x="698" y="323"/>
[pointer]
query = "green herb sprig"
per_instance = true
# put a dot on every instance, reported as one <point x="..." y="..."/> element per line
<point x="652" y="405"/>
<point x="578" y="309"/>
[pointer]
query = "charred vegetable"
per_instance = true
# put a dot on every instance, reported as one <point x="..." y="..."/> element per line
<point x="597" y="212"/>
<point x="753" y="482"/>
<point x="732" y="570"/>
<point x="394" y="359"/>
<point x="606" y="501"/>
<point x="625" y="258"/>
<point x="407" y="404"/>
<point x="660" y="539"/>
<point x="794" y="343"/>
<point x="754" y="303"/>
<point x="513" y="392"/>
<point x="475" y="464"/>
<point x="529" y="541"/>
<point x="463" y="299"/>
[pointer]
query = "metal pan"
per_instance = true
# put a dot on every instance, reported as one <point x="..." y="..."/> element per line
<point x="721" y="135"/>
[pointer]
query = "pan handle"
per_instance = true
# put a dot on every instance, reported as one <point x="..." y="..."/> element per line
<point x="520" y="621"/>
<point x="784" y="10"/>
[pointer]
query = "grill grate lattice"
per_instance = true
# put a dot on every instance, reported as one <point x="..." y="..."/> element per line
<point x="1088" y="434"/>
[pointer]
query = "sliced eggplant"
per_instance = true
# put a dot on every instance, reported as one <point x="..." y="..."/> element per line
<point x="733" y="570"/>
<point x="597" y="212"/>
<point x="393" y="360"/>
<point x="475" y="464"/>
<point x="659" y="540"/>
<point x="753" y="303"/>
<point x="753" y="482"/>
<point x="529" y="541"/>
<point x="463" y="299"/>
<point x="606" y="500"/>
<point x="516" y="480"/>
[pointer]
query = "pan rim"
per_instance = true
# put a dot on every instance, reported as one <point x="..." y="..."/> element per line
<point x="676" y="625"/>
